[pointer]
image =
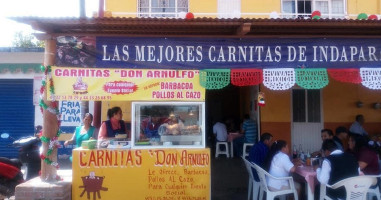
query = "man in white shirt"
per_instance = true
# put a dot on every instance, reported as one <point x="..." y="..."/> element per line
<point x="336" y="166"/>
<point x="357" y="126"/>
<point x="219" y="130"/>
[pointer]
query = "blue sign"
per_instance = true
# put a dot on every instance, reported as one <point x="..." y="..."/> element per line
<point x="210" y="53"/>
<point x="70" y="113"/>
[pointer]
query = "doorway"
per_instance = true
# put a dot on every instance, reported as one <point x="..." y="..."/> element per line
<point x="231" y="102"/>
<point x="307" y="120"/>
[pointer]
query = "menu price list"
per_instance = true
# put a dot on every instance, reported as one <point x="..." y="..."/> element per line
<point x="172" y="184"/>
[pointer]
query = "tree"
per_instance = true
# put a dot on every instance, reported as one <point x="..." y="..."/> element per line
<point x="25" y="40"/>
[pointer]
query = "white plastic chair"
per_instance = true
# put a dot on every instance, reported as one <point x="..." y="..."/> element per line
<point x="253" y="184"/>
<point x="355" y="187"/>
<point x="245" y="150"/>
<point x="231" y="149"/>
<point x="270" y="195"/>
<point x="375" y="191"/>
<point x="219" y="151"/>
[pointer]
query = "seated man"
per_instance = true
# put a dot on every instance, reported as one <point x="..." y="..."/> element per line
<point x="340" y="136"/>
<point x="259" y="151"/>
<point x="219" y="130"/>
<point x="336" y="166"/>
<point x="325" y="134"/>
<point x="357" y="126"/>
<point x="249" y="131"/>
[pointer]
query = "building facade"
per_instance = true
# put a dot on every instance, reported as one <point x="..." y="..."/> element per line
<point x="292" y="113"/>
<point x="296" y="114"/>
<point x="19" y="68"/>
<point x="343" y="9"/>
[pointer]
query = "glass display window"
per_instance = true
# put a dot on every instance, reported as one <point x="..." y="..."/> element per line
<point x="168" y="125"/>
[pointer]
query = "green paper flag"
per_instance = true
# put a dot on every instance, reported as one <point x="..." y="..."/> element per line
<point x="311" y="78"/>
<point x="214" y="78"/>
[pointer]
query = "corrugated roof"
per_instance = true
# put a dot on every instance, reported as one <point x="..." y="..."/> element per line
<point x="238" y="27"/>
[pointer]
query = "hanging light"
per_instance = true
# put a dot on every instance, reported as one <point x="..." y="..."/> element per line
<point x="172" y="113"/>
<point x="190" y="111"/>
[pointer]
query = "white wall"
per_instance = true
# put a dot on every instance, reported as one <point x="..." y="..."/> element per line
<point x="21" y="57"/>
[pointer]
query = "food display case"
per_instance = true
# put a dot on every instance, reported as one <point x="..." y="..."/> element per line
<point x="168" y="125"/>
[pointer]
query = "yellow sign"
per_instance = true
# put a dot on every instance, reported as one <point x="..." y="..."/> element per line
<point x="141" y="174"/>
<point x="97" y="84"/>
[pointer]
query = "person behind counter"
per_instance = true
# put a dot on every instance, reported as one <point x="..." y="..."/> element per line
<point x="175" y="125"/>
<point x="150" y="125"/>
<point x="115" y="125"/>
<point x="83" y="133"/>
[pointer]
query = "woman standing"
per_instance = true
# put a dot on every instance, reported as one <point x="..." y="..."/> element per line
<point x="115" y="125"/>
<point x="83" y="133"/>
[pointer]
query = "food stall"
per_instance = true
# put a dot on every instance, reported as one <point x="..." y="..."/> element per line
<point x="165" y="158"/>
<point x="178" y="124"/>
<point x="292" y="54"/>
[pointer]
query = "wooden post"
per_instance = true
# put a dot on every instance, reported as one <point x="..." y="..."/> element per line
<point x="84" y="109"/>
<point x="97" y="114"/>
<point x="50" y="121"/>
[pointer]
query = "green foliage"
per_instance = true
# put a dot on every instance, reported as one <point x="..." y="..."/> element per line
<point x="25" y="40"/>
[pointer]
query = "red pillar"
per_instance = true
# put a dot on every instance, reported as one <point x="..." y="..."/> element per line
<point x="101" y="9"/>
<point x="97" y="114"/>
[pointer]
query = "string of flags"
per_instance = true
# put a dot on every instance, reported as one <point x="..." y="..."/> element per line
<point x="286" y="78"/>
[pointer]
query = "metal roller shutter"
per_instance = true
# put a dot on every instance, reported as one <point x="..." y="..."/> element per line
<point x="16" y="112"/>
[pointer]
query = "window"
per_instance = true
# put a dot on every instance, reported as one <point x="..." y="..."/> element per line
<point x="161" y="8"/>
<point x="229" y="8"/>
<point x="168" y="124"/>
<point x="330" y="9"/>
<point x="296" y="8"/>
<point x="303" y="8"/>
<point x="306" y="105"/>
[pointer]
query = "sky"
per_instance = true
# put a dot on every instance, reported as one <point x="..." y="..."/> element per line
<point x="39" y="8"/>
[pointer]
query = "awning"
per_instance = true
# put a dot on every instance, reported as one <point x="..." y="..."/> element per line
<point x="207" y="27"/>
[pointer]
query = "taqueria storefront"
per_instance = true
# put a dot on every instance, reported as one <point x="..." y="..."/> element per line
<point x="294" y="76"/>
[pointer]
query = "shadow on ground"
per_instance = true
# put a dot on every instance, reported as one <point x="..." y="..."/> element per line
<point x="229" y="179"/>
<point x="64" y="164"/>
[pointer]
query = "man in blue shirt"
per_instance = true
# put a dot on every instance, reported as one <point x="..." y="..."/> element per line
<point x="259" y="151"/>
<point x="249" y="134"/>
<point x="249" y="129"/>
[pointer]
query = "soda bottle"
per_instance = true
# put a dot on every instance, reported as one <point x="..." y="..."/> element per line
<point x="301" y="153"/>
<point x="294" y="152"/>
<point x="308" y="159"/>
